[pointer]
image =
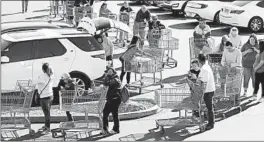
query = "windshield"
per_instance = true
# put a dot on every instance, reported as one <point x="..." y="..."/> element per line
<point x="241" y="3"/>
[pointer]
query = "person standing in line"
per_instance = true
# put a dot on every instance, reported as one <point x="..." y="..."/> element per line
<point x="108" y="47"/>
<point x="125" y="11"/>
<point x="206" y="76"/>
<point x="24" y="6"/>
<point x="259" y="72"/>
<point x="129" y="54"/>
<point x="142" y="18"/>
<point x="113" y="101"/>
<point x="104" y="11"/>
<point x="249" y="52"/>
<point x="221" y="47"/>
<point x="235" y="38"/>
<point x="45" y="93"/>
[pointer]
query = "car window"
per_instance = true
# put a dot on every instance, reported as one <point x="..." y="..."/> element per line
<point x="261" y="4"/>
<point x="241" y="3"/>
<point x="87" y="44"/>
<point x="49" y="48"/>
<point x="20" y="51"/>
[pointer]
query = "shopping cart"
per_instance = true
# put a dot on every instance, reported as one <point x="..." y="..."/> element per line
<point x="181" y="99"/>
<point x="69" y="11"/>
<point x="78" y="13"/>
<point x="123" y="37"/>
<point x="228" y="89"/>
<point x="88" y="102"/>
<point x="144" y="65"/>
<point x="15" y="102"/>
<point x="200" y="45"/>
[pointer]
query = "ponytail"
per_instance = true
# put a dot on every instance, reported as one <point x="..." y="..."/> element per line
<point x="46" y="69"/>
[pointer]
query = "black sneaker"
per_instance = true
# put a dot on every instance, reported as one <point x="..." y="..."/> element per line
<point x="209" y="127"/>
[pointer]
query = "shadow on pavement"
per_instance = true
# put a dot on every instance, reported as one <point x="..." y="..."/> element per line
<point x="242" y="31"/>
<point x="171" y="134"/>
<point x="11" y="14"/>
<point x="191" y="25"/>
<point x="157" y="10"/>
<point x="94" y="137"/>
<point x="28" y="137"/>
<point x="173" y="79"/>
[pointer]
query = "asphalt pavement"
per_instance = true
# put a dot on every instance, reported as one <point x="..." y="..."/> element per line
<point x="242" y="126"/>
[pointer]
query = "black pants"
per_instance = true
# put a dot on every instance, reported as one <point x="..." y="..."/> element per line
<point x="69" y="116"/>
<point x="259" y="79"/>
<point x="208" y="100"/>
<point x="111" y="106"/>
<point x="123" y="73"/>
<point x="110" y="58"/>
<point x="46" y="105"/>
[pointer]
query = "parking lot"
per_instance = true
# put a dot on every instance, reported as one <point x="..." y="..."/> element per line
<point x="182" y="29"/>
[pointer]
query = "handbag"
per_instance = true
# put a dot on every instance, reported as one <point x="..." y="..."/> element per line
<point x="37" y="96"/>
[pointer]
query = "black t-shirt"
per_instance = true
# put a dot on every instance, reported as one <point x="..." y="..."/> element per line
<point x="126" y="9"/>
<point x="195" y="72"/>
<point x="67" y="86"/>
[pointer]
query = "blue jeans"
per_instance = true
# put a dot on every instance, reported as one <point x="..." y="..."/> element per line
<point x="45" y="104"/>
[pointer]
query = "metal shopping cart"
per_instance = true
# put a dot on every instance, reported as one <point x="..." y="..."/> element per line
<point x="162" y="39"/>
<point x="181" y="99"/>
<point x="87" y="102"/>
<point x="143" y="65"/>
<point x="200" y="45"/>
<point x="13" y="103"/>
<point x="69" y="11"/>
<point x="228" y="89"/>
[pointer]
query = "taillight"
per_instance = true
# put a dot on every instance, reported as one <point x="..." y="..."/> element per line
<point x="237" y="11"/>
<point x="175" y="5"/>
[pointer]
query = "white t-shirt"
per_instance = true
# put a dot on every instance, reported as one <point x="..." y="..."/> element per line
<point x="204" y="31"/>
<point x="45" y="82"/>
<point x="206" y="75"/>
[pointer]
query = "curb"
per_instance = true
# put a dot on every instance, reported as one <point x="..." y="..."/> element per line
<point x="122" y="116"/>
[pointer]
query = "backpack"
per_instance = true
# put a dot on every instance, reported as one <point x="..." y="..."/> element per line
<point x="125" y="94"/>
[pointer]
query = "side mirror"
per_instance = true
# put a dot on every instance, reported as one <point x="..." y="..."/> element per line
<point x="4" y="59"/>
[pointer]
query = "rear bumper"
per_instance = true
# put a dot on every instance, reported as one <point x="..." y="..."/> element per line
<point x="234" y="20"/>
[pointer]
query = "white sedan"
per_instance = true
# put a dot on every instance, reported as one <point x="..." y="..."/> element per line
<point x="244" y="14"/>
<point x="208" y="10"/>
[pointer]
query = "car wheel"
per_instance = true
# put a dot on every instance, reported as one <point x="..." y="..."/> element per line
<point x="217" y="18"/>
<point x="81" y="82"/>
<point x="255" y="24"/>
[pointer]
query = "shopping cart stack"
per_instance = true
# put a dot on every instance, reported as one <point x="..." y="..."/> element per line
<point x="182" y="100"/>
<point x="82" y="101"/>
<point x="13" y="103"/>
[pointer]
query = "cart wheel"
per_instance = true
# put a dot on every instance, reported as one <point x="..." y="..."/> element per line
<point x="32" y="132"/>
<point x="54" y="134"/>
<point x="161" y="86"/>
<point x="162" y="130"/>
<point x="202" y="128"/>
<point x="176" y="64"/>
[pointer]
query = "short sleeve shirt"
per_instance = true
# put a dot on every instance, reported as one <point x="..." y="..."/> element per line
<point x="206" y="75"/>
<point x="204" y="31"/>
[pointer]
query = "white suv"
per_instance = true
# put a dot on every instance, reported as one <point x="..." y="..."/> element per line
<point x="23" y="54"/>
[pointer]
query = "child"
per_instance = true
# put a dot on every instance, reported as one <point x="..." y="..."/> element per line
<point x="195" y="70"/>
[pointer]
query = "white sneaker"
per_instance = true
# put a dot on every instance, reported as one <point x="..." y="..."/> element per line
<point x="261" y="100"/>
<point x="113" y="132"/>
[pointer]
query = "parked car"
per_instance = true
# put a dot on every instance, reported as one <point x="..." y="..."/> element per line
<point x="247" y="14"/>
<point x="178" y="7"/>
<point x="67" y="50"/>
<point x="208" y="10"/>
<point x="31" y="25"/>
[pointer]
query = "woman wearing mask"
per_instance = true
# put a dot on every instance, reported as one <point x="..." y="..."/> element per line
<point x="45" y="93"/>
<point x="220" y="48"/>
<point x="249" y="52"/>
<point x="235" y="38"/>
<point x="129" y="54"/>
<point x="259" y="72"/>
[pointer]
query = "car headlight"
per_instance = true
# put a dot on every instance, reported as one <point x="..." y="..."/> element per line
<point x="197" y="5"/>
<point x="237" y="11"/>
<point x="176" y="5"/>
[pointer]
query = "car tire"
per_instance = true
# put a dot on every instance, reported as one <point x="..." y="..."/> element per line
<point x="81" y="80"/>
<point x="258" y="21"/>
<point x="217" y="18"/>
